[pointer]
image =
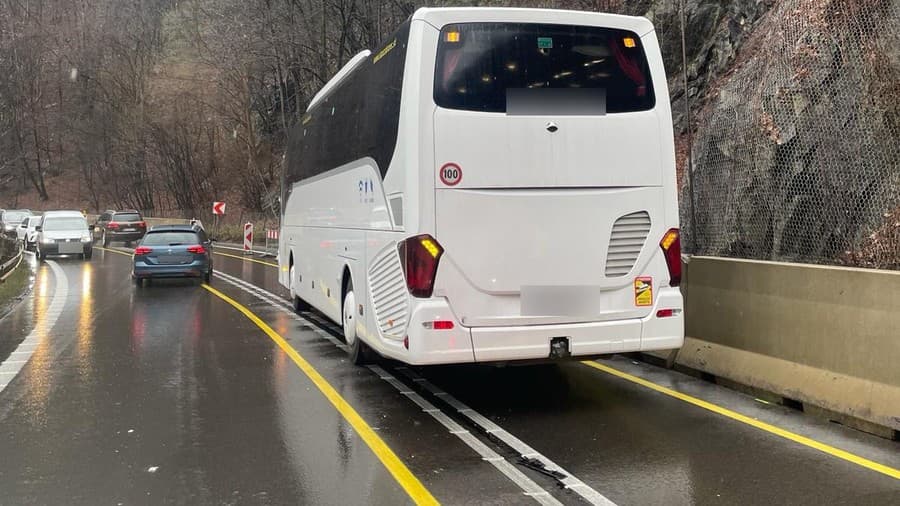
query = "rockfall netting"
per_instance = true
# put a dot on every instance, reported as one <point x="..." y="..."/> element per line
<point x="796" y="156"/>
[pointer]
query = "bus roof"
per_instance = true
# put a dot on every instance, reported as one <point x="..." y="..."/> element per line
<point x="440" y="17"/>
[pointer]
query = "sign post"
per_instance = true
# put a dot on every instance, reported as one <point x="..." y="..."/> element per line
<point x="248" y="237"/>
<point x="217" y="208"/>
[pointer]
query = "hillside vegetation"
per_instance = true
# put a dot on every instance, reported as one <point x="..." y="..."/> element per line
<point x="168" y="105"/>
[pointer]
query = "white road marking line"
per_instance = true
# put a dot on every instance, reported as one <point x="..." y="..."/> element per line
<point x="30" y="343"/>
<point x="526" y="484"/>
<point x="570" y="481"/>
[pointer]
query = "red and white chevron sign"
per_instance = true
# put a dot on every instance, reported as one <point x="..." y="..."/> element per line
<point x="248" y="236"/>
<point x="218" y="208"/>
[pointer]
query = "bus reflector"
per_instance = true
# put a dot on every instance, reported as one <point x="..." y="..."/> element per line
<point x="665" y="313"/>
<point x="439" y="325"/>
<point x="419" y="257"/>
<point x="671" y="246"/>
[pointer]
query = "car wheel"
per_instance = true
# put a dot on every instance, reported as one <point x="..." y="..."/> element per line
<point x="137" y="281"/>
<point x="88" y="255"/>
<point x="104" y="239"/>
<point x="358" y="350"/>
<point x="298" y="303"/>
<point x="207" y="278"/>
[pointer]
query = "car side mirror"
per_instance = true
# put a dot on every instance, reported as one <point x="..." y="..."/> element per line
<point x="213" y="239"/>
<point x="92" y="227"/>
<point x="38" y="228"/>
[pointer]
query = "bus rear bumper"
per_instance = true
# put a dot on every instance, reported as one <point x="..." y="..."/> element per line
<point x="533" y="342"/>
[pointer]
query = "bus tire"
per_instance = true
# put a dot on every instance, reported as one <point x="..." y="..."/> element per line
<point x="358" y="350"/>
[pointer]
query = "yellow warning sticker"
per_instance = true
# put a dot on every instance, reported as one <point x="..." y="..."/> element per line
<point x="643" y="291"/>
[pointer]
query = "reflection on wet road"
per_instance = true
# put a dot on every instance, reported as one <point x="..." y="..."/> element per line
<point x="169" y="394"/>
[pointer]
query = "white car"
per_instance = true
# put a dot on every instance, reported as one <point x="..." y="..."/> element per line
<point x="25" y="232"/>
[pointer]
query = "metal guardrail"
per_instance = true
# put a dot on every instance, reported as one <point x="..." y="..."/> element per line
<point x="11" y="265"/>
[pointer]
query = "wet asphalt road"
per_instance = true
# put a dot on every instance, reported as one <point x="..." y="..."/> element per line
<point x="167" y="394"/>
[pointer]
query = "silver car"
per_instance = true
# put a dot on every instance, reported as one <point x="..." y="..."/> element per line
<point x="64" y="233"/>
<point x="11" y="218"/>
<point x="26" y="233"/>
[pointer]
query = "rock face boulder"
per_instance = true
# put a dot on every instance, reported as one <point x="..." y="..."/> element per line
<point x="796" y="152"/>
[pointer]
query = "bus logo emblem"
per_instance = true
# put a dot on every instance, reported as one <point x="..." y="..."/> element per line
<point x="451" y="174"/>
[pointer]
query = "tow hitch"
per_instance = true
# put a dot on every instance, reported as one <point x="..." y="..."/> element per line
<point x="559" y="347"/>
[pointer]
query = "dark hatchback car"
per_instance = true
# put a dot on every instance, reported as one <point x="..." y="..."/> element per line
<point x="173" y="251"/>
<point x="124" y="226"/>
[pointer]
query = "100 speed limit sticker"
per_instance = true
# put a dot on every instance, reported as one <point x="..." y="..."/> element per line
<point x="450" y="174"/>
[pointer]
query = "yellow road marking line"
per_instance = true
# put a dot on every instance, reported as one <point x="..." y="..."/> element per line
<point x="797" y="438"/>
<point x="417" y="492"/>
<point x="112" y="251"/>
<point x="245" y="258"/>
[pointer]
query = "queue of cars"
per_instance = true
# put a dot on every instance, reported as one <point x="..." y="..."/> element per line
<point x="164" y="251"/>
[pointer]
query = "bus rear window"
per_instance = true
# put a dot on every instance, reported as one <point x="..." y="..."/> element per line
<point x="577" y="67"/>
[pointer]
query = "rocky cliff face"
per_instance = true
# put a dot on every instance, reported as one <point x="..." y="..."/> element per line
<point x="714" y="32"/>
<point x="796" y="107"/>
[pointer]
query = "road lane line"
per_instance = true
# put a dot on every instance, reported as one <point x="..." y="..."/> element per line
<point x="483" y="423"/>
<point x="270" y="264"/>
<point x="416" y="490"/>
<point x="528" y="486"/>
<point x="113" y="250"/>
<point x="41" y="330"/>
<point x="786" y="434"/>
<point x="504" y="466"/>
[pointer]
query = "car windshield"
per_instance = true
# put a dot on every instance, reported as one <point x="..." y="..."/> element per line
<point x="174" y="238"/>
<point x="14" y="216"/>
<point x="32" y="221"/>
<point x="64" y="224"/>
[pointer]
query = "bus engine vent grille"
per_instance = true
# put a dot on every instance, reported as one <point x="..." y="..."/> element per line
<point x="629" y="233"/>
<point x="390" y="297"/>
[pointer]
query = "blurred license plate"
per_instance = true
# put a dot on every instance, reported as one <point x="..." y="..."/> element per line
<point x="174" y="259"/>
<point x="128" y="229"/>
<point x="70" y="248"/>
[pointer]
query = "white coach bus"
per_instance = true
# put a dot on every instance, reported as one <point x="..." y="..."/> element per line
<point x="490" y="185"/>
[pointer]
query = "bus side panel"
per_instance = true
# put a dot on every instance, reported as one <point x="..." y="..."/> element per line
<point x="324" y="223"/>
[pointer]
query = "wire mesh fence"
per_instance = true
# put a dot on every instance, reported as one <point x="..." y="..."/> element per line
<point x="797" y="156"/>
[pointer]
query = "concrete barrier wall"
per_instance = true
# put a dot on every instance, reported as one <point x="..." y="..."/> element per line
<point x="828" y="336"/>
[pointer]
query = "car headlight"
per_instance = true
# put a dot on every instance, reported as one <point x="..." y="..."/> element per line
<point x="85" y="238"/>
<point x="47" y="240"/>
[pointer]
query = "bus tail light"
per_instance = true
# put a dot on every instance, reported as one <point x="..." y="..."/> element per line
<point x="671" y="246"/>
<point x="419" y="257"/>
<point x="439" y="325"/>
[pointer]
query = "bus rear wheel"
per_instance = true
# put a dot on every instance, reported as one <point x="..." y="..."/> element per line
<point x="360" y="354"/>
